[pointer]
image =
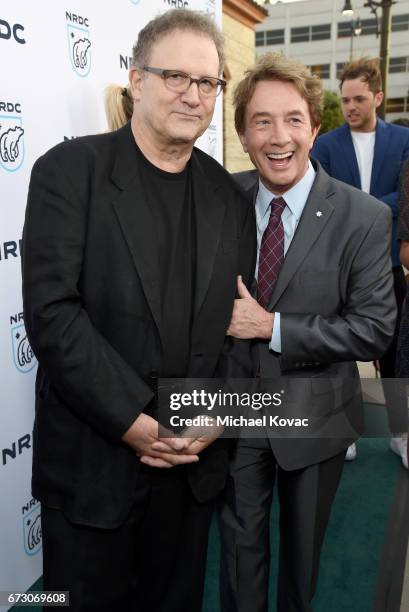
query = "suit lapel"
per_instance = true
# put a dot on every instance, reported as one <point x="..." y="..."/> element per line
<point x="209" y="214"/>
<point x="316" y="214"/>
<point x="251" y="195"/>
<point x="348" y="154"/>
<point x="136" y="220"/>
<point x="380" y="150"/>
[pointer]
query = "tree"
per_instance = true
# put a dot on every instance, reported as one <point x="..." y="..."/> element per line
<point x="332" y="116"/>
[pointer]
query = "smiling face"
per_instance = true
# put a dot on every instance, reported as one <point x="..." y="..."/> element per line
<point x="359" y="104"/>
<point x="169" y="117"/>
<point x="278" y="134"/>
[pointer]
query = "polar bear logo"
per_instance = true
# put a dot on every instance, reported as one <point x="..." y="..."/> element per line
<point x="34" y="533"/>
<point x="80" y="52"/>
<point x="9" y="144"/>
<point x="25" y="353"/>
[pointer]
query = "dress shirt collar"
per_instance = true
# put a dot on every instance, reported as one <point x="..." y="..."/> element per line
<point x="295" y="198"/>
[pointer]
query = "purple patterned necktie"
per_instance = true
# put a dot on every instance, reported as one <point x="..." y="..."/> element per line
<point x="271" y="254"/>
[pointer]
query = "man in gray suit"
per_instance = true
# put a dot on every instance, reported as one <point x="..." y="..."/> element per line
<point x="324" y="300"/>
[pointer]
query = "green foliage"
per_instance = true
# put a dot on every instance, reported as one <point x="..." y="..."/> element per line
<point x="332" y="116"/>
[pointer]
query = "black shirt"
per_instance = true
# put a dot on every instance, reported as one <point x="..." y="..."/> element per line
<point x="169" y="196"/>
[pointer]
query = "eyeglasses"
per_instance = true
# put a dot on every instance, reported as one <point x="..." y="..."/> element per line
<point x="181" y="81"/>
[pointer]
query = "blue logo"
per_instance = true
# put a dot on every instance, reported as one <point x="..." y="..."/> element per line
<point x="23" y="355"/>
<point x="32" y="534"/>
<point x="79" y="47"/>
<point x="11" y="142"/>
<point x="135" y="1"/>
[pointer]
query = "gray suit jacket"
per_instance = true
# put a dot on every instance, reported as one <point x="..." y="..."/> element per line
<point x="335" y="296"/>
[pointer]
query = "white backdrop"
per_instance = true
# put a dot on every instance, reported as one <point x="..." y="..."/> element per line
<point x="56" y="59"/>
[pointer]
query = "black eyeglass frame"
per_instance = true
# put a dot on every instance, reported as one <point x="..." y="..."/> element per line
<point x="164" y="73"/>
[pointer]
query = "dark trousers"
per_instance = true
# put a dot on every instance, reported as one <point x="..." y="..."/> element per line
<point x="154" y="562"/>
<point x="305" y="498"/>
<point x="395" y="393"/>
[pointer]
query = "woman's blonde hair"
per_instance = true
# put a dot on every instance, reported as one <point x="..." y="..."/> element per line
<point x="118" y="106"/>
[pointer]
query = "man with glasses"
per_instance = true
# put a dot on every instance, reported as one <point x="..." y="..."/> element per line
<point x="132" y="245"/>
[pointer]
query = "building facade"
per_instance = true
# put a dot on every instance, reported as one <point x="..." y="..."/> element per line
<point x="240" y="18"/>
<point x="316" y="32"/>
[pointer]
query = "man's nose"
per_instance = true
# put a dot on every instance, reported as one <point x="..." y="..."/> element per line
<point x="192" y="96"/>
<point x="279" y="135"/>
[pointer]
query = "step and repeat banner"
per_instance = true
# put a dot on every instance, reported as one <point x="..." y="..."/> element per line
<point x="57" y="57"/>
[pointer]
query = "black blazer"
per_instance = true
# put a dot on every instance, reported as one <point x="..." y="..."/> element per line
<point x="335" y="295"/>
<point x="92" y="313"/>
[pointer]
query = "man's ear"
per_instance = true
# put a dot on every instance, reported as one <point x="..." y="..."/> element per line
<point x="315" y="132"/>
<point x="378" y="99"/>
<point x="135" y="82"/>
<point x="242" y="138"/>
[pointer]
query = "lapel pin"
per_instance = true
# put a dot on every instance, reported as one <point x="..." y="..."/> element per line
<point x="318" y="213"/>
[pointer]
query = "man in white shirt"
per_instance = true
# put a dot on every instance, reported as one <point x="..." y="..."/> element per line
<point x="367" y="153"/>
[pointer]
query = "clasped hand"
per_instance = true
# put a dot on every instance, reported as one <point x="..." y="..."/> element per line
<point x="249" y="320"/>
<point x="143" y="437"/>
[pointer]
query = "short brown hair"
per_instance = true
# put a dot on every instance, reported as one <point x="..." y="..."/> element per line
<point x="176" y="19"/>
<point x="366" y="69"/>
<point x="277" y="67"/>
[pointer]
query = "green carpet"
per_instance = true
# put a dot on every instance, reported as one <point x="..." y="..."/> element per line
<point x="355" y="536"/>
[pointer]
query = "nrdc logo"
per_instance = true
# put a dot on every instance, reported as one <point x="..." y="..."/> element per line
<point x="179" y="4"/>
<point x="11" y="136"/>
<point x="8" y="31"/>
<point x="79" y="43"/>
<point x="23" y="355"/>
<point x="32" y="534"/>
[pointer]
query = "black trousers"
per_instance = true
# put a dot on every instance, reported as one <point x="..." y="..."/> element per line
<point x="395" y="393"/>
<point x="154" y="562"/>
<point x="305" y="497"/>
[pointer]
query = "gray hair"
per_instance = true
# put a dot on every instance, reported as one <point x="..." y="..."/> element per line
<point x="176" y="19"/>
